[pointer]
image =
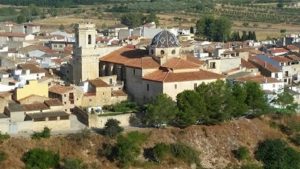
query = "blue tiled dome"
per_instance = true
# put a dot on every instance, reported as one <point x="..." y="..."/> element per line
<point x="165" y="39"/>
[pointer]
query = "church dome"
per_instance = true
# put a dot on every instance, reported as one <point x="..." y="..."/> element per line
<point x="165" y="39"/>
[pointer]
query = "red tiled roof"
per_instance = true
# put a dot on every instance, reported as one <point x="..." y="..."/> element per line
<point x="178" y="63"/>
<point x="35" y="106"/>
<point x="12" y="34"/>
<point x="168" y="76"/>
<point x="247" y="64"/>
<point x="143" y="63"/>
<point x="292" y="47"/>
<point x="263" y="65"/>
<point x="98" y="83"/>
<point x="53" y="102"/>
<point x="281" y="59"/>
<point x="258" y="79"/>
<point x="279" y="50"/>
<point x="123" y="55"/>
<point x="59" y="89"/>
<point x="32" y="67"/>
<point x="118" y="93"/>
<point x="294" y="57"/>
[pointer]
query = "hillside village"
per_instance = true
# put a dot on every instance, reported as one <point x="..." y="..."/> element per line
<point x="62" y="80"/>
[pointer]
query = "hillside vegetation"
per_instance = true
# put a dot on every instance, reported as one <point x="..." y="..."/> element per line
<point x="215" y="144"/>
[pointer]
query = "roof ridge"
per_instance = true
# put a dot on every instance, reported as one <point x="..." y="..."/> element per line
<point x="166" y="75"/>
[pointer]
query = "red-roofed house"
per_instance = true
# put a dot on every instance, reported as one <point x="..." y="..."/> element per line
<point x="278" y="51"/>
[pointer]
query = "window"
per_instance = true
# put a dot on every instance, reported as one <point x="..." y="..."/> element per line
<point x="148" y="87"/>
<point x="212" y="65"/>
<point x="89" y="39"/>
<point x="195" y="85"/>
<point x="175" y="86"/>
<point x="162" y="52"/>
<point x="65" y="102"/>
<point x="173" y="51"/>
<point x="273" y="85"/>
<point x="276" y="75"/>
<point x="286" y="73"/>
<point x="133" y="71"/>
<point x="285" y="80"/>
<point x="110" y="81"/>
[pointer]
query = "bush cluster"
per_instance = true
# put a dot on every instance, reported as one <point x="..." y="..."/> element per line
<point x="127" y="148"/>
<point x="276" y="154"/>
<point x="43" y="134"/>
<point x="41" y="159"/>
<point x="3" y="137"/>
<point x="177" y="150"/>
<point x="242" y="153"/>
<point x="124" y="106"/>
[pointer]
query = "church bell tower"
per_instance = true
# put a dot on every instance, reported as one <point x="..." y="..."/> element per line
<point x="85" y="62"/>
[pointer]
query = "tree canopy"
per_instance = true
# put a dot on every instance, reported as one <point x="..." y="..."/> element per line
<point x="276" y="154"/>
<point x="209" y="104"/>
<point x="214" y="29"/>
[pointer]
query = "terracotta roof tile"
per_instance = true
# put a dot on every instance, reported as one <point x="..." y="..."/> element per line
<point x="59" y="89"/>
<point x="53" y="102"/>
<point x="279" y="50"/>
<point x="168" y="76"/>
<point x="34" y="106"/>
<point x="292" y="47"/>
<point x="144" y="62"/>
<point x="32" y="67"/>
<point x="178" y="63"/>
<point x="98" y="83"/>
<point x="294" y="57"/>
<point x="118" y="93"/>
<point x="247" y="64"/>
<point x="12" y="34"/>
<point x="281" y="59"/>
<point x="263" y="65"/>
<point x="123" y="55"/>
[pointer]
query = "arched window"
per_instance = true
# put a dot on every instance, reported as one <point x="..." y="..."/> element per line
<point x="173" y="51"/>
<point x="162" y="52"/>
<point x="89" y="39"/>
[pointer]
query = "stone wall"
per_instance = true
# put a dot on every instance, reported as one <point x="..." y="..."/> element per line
<point x="96" y="121"/>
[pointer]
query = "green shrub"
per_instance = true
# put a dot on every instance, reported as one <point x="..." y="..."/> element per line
<point x="3" y="137"/>
<point x="251" y="166"/>
<point x="160" y="151"/>
<point x="3" y="156"/>
<point x="73" y="164"/>
<point x="185" y="153"/>
<point x="276" y="154"/>
<point x="43" y="134"/>
<point x="124" y="106"/>
<point x="242" y="153"/>
<point x="41" y="159"/>
<point x="294" y="125"/>
<point x="112" y="128"/>
<point x="127" y="148"/>
<point x="177" y="150"/>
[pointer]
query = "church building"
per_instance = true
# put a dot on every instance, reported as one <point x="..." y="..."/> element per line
<point x="162" y="68"/>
